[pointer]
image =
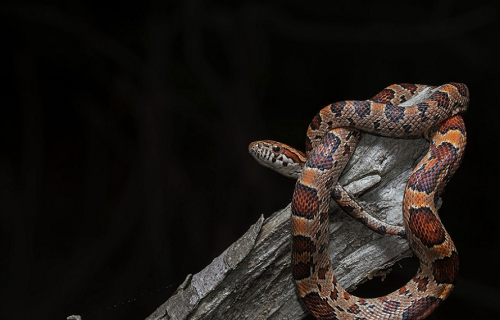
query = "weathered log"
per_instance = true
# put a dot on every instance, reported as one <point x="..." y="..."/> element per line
<point x="252" y="278"/>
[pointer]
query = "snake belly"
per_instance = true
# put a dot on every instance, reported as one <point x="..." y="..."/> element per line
<point x="331" y="139"/>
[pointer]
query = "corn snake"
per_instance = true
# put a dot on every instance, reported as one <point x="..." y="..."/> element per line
<point x="404" y="110"/>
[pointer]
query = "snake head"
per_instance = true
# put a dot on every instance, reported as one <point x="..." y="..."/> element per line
<point x="278" y="156"/>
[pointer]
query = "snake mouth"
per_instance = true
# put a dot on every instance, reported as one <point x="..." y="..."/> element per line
<point x="261" y="151"/>
<point x="276" y="156"/>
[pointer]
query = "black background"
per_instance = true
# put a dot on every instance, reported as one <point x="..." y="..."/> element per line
<point x="124" y="132"/>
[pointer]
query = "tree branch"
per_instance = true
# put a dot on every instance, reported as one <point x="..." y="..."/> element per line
<point x="252" y="278"/>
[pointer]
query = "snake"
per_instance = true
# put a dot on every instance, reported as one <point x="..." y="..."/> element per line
<point x="401" y="111"/>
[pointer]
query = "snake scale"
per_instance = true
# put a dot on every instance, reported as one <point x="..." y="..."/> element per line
<point x="400" y="110"/>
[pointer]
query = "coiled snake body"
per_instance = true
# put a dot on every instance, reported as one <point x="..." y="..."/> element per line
<point x="403" y="110"/>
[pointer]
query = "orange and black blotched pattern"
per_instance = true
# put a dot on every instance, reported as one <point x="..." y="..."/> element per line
<point x="445" y="270"/>
<point x="305" y="201"/>
<point x="384" y="115"/>
<point x="329" y="145"/>
<point x="421" y="308"/>
<point x="426" y="226"/>
<point x="322" y="158"/>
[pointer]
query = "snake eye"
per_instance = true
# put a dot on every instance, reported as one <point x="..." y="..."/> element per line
<point x="276" y="149"/>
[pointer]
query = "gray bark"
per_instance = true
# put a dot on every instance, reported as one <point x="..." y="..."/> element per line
<point x="252" y="278"/>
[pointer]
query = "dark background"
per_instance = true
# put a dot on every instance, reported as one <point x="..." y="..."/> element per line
<point x="124" y="132"/>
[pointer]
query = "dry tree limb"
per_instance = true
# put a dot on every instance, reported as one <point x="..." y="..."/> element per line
<point x="252" y="278"/>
